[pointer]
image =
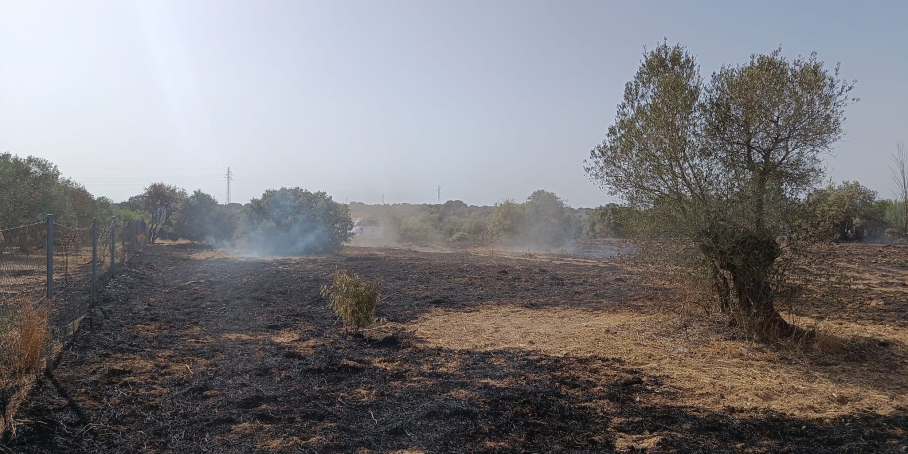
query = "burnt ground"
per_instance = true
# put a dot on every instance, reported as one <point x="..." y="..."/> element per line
<point x="195" y="351"/>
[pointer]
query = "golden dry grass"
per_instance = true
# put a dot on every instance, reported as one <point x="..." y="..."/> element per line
<point x="23" y="336"/>
<point x="708" y="371"/>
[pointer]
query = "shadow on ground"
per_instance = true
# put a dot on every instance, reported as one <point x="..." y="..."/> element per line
<point x="224" y="355"/>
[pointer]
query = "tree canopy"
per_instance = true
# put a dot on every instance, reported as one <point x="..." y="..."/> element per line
<point x="721" y="164"/>
<point x="31" y="188"/>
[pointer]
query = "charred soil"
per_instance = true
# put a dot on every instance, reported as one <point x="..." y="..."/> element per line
<point x="193" y="350"/>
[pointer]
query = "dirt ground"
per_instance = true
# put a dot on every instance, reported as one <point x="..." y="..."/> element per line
<point x="194" y="350"/>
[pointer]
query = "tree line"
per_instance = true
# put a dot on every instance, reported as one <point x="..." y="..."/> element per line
<point x="285" y="221"/>
<point x="33" y="187"/>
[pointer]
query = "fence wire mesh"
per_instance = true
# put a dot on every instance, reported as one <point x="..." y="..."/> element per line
<point x="23" y="259"/>
<point x="72" y="282"/>
<point x="104" y="241"/>
<point x="34" y="327"/>
<point x="23" y="276"/>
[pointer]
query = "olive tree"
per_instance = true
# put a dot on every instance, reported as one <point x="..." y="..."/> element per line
<point x="720" y="165"/>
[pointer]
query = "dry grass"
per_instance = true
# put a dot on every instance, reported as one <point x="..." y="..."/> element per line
<point x="699" y="363"/>
<point x="168" y="242"/>
<point x="24" y="336"/>
<point x="24" y="333"/>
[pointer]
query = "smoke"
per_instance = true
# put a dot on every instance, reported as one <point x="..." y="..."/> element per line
<point x="543" y="223"/>
<point x="293" y="221"/>
<point x="299" y="238"/>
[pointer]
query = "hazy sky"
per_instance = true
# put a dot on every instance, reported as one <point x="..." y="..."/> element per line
<point x="488" y="99"/>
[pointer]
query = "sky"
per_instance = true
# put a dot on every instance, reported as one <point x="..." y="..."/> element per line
<point x="389" y="100"/>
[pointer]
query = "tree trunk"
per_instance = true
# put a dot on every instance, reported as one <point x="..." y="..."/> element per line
<point x="756" y="304"/>
<point x="722" y="288"/>
<point x="747" y="258"/>
<point x="905" y="214"/>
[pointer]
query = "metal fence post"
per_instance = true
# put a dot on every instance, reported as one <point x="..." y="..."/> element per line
<point x="94" y="259"/>
<point x="113" y="244"/>
<point x="50" y="256"/>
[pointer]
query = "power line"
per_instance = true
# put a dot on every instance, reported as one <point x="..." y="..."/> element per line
<point x="157" y="177"/>
<point x="138" y="168"/>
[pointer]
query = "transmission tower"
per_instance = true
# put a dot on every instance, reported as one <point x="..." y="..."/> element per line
<point x="439" y="194"/>
<point x="229" y="179"/>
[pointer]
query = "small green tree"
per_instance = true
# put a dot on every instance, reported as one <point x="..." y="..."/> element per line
<point x="83" y="204"/>
<point x="719" y="166"/>
<point x="475" y="227"/>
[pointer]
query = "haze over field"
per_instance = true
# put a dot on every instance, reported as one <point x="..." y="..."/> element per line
<point x="365" y="99"/>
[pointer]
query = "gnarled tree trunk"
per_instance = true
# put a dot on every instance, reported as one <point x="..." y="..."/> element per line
<point x="743" y="262"/>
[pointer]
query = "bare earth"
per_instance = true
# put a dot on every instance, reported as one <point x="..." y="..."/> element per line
<point x="194" y="350"/>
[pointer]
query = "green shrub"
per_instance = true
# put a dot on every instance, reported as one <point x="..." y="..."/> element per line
<point x="460" y="236"/>
<point x="353" y="298"/>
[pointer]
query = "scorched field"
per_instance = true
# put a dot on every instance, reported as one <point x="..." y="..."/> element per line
<point x="195" y="350"/>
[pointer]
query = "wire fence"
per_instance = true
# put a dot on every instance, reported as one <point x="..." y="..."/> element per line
<point x="50" y="274"/>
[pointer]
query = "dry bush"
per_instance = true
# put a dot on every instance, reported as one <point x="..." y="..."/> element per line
<point x="353" y="298"/>
<point x="24" y="333"/>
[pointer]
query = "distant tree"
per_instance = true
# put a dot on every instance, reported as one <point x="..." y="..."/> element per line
<point x="160" y="201"/>
<point x="475" y="227"/>
<point x="718" y="167"/>
<point x="547" y="221"/>
<point x="607" y="221"/>
<point x="451" y="225"/>
<point x="846" y="212"/>
<point x="295" y="221"/>
<point x="542" y="220"/>
<point x="198" y="219"/>
<point x="226" y="222"/>
<point x="83" y="204"/>
<point x="899" y="170"/>
<point x="454" y="208"/>
<point x="504" y="222"/>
